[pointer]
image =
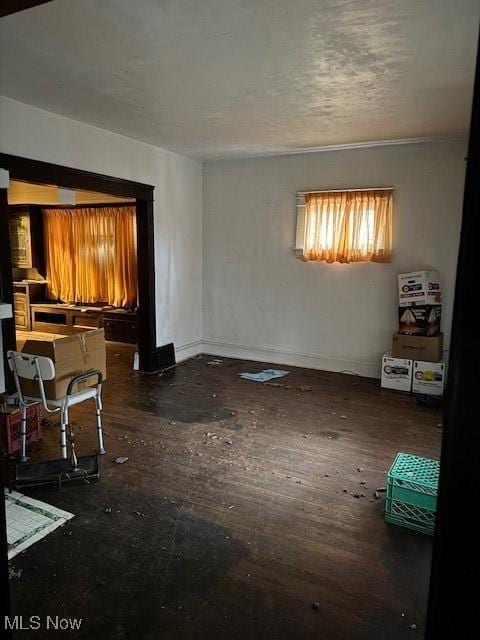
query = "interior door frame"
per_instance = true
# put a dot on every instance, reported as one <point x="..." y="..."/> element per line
<point x="40" y="172"/>
<point x="452" y="605"/>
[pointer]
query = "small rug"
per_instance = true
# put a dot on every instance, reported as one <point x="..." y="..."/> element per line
<point x="29" y="520"/>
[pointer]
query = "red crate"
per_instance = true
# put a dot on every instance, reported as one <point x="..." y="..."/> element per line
<point x="10" y="427"/>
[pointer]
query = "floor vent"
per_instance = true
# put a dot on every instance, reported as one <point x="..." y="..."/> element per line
<point x="164" y="357"/>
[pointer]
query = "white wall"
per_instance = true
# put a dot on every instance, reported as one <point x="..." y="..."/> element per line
<point x="40" y="135"/>
<point x="261" y="302"/>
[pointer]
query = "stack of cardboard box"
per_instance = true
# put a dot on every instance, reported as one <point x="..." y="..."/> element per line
<point x="415" y="362"/>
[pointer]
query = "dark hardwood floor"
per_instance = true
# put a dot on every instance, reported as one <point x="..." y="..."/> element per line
<point x="235" y="511"/>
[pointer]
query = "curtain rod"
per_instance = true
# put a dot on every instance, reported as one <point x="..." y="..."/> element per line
<point x="304" y="193"/>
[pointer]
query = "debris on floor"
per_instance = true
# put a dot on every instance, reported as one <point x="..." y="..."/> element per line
<point x="120" y="459"/>
<point x="49" y="424"/>
<point x="329" y="435"/>
<point x="14" y="573"/>
<point x="214" y="362"/>
<point x="247" y="479"/>
<point x="278" y="384"/>
<point x="264" y="376"/>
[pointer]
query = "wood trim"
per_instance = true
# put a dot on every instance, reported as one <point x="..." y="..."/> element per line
<point x="146" y="312"/>
<point x="47" y="173"/>
<point x="15" y="6"/>
<point x="6" y="286"/>
<point x="453" y="607"/>
<point x="96" y="205"/>
<point x="317" y="361"/>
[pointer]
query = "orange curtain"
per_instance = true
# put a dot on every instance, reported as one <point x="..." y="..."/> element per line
<point x="91" y="255"/>
<point x="348" y="226"/>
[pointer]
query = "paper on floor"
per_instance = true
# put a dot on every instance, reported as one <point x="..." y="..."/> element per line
<point x="264" y="376"/>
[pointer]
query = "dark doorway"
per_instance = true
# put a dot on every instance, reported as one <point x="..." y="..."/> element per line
<point x="452" y="607"/>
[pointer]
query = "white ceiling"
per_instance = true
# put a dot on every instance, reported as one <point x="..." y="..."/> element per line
<point x="230" y="78"/>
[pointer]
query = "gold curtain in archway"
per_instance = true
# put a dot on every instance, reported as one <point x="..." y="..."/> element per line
<point x="91" y="255"/>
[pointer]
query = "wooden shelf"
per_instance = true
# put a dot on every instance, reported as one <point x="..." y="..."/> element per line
<point x="24" y="294"/>
<point x="119" y="325"/>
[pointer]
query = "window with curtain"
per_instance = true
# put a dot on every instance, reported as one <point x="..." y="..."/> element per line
<point x="91" y="255"/>
<point x="345" y="226"/>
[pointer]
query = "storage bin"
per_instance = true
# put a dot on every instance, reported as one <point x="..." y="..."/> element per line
<point x="412" y="488"/>
<point x="10" y="427"/>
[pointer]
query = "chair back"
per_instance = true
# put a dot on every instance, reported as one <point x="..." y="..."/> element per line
<point x="31" y="367"/>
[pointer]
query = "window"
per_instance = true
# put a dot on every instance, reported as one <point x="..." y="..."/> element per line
<point x="91" y="255"/>
<point x="345" y="226"/>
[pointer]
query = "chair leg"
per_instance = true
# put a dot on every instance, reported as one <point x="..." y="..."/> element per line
<point x="98" y="409"/>
<point x="23" y="436"/>
<point x="63" y="432"/>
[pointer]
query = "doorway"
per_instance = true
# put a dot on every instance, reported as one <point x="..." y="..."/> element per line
<point x="88" y="186"/>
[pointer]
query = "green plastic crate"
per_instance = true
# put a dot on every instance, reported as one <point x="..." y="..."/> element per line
<point x="412" y="487"/>
<point x="406" y="515"/>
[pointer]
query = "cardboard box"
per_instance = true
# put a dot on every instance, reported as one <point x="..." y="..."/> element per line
<point x="396" y="373"/>
<point x="419" y="288"/>
<point x="428" y="377"/>
<point x="71" y="355"/>
<point x="421" y="320"/>
<point x="426" y="348"/>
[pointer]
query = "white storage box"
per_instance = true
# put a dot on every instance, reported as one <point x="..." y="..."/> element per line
<point x="428" y="377"/>
<point x="396" y="373"/>
<point x="419" y="288"/>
